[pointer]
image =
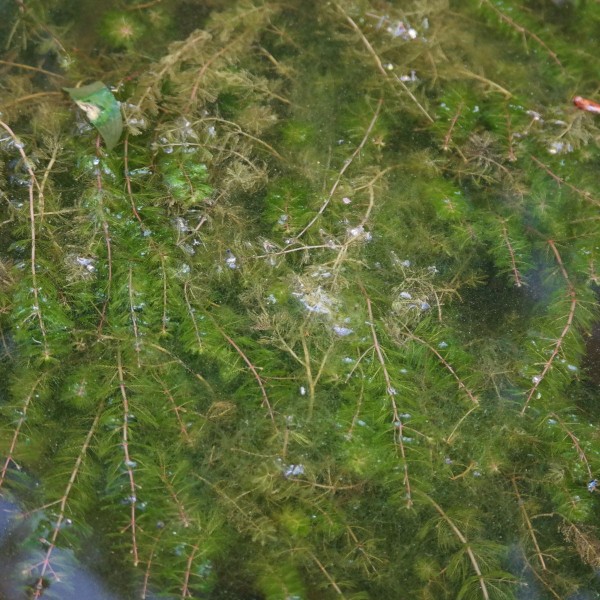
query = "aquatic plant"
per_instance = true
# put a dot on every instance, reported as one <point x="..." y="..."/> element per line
<point x="120" y="29"/>
<point x="313" y="325"/>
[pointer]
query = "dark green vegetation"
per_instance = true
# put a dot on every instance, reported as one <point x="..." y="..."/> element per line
<point x="315" y="326"/>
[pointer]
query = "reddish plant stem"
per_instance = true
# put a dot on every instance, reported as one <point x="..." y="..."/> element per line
<point x="33" y="182"/>
<point x="128" y="461"/>
<point x="146" y="580"/>
<point x="560" y="181"/>
<point x="134" y="323"/>
<point x="448" y="367"/>
<point x="512" y="157"/>
<point x="99" y="189"/>
<point x="192" y="316"/>
<point x="448" y="136"/>
<point x="513" y="260"/>
<point x="524" y="32"/>
<point x="391" y="392"/>
<point x="164" y="319"/>
<point x="45" y="564"/>
<point x="185" y="591"/>
<point x="541" y="579"/>
<point x="185" y="520"/>
<point x="177" y="410"/>
<point x="13" y="444"/>
<point x="344" y="168"/>
<point x="203" y="71"/>
<point x="463" y="540"/>
<point x="266" y="403"/>
<point x="529" y="526"/>
<point x="575" y="440"/>
<point x="561" y="338"/>
<point x="128" y="179"/>
<point x="329" y="578"/>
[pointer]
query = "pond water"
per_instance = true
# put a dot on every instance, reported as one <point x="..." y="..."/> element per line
<point x="298" y="300"/>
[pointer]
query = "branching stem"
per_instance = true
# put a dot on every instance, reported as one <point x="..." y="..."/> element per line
<point x="463" y="540"/>
<point x="177" y="409"/>
<point x="344" y="168"/>
<point x="575" y="441"/>
<point x="587" y="196"/>
<point x="448" y="136"/>
<point x="529" y="526"/>
<point x="447" y="366"/>
<point x="329" y="578"/>
<point x="134" y="323"/>
<point x="183" y="517"/>
<point x="520" y="29"/>
<point x="106" y="232"/>
<point x="127" y="456"/>
<point x="511" y="253"/>
<point x="379" y="64"/>
<point x="561" y="338"/>
<point x="33" y="182"/>
<point x="185" y="590"/>
<point x="13" y="444"/>
<point x="45" y="564"/>
<point x="266" y="403"/>
<point x="128" y="180"/>
<point x="391" y="393"/>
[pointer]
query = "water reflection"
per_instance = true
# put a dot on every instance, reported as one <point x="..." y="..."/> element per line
<point x="22" y="554"/>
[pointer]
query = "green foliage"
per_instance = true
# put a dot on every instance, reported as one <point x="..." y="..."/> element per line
<point x="315" y="326"/>
<point x="121" y="29"/>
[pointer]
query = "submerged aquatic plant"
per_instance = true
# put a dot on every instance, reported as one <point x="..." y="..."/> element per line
<point x="120" y="29"/>
<point x="313" y="326"/>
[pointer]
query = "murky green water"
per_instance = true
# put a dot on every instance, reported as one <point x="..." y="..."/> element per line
<point x="321" y="324"/>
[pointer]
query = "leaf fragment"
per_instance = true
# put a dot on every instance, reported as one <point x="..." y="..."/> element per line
<point x="101" y="108"/>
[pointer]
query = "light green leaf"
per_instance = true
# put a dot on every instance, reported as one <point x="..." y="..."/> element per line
<point x="101" y="108"/>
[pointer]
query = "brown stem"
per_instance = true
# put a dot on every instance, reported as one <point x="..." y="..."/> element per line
<point x="560" y="181"/>
<point x="447" y="365"/>
<point x="185" y="591"/>
<point x="344" y="168"/>
<point x="463" y="540"/>
<point x="45" y="564"/>
<point x="128" y="461"/>
<point x="511" y="253"/>
<point x="524" y="32"/>
<point x="134" y="322"/>
<point x="106" y="232"/>
<point x="512" y="157"/>
<point x="379" y="64"/>
<point x="128" y="179"/>
<point x="192" y="317"/>
<point x="13" y="444"/>
<point x="177" y="410"/>
<point x="185" y="520"/>
<point x="529" y="526"/>
<point x="33" y="182"/>
<point x="29" y="97"/>
<point x="541" y="579"/>
<point x="561" y="338"/>
<point x="448" y="136"/>
<point x="575" y="441"/>
<point x="266" y="403"/>
<point x="164" y="319"/>
<point x="202" y="72"/>
<point x="391" y="392"/>
<point x="10" y="63"/>
<point x="148" y="569"/>
<point x="329" y="578"/>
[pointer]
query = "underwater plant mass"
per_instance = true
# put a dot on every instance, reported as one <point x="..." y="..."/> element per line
<point x="298" y="300"/>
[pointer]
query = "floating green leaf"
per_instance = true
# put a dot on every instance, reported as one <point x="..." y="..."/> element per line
<point x="101" y="108"/>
